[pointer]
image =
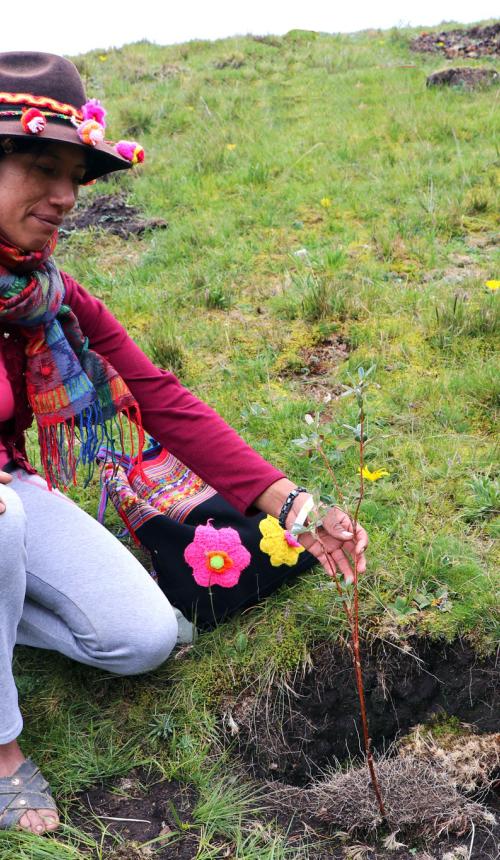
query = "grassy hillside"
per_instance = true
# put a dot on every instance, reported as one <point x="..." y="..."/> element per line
<point x="325" y="211"/>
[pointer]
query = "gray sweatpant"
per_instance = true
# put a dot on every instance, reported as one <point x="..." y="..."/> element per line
<point x="68" y="585"/>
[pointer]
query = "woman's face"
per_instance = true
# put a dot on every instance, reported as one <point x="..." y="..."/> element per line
<point x="37" y="191"/>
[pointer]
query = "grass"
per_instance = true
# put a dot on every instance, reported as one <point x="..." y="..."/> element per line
<point x="257" y="150"/>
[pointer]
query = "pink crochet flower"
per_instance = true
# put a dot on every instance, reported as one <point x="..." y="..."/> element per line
<point x="217" y="556"/>
<point x="93" y="109"/>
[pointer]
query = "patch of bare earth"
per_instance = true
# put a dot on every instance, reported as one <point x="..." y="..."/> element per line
<point x="463" y="268"/>
<point x="321" y="359"/>
<point x="320" y="363"/>
<point x="112" y="213"/>
<point x="136" y="809"/>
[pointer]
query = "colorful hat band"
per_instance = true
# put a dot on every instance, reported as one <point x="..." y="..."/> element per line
<point x="34" y="112"/>
<point x="29" y="100"/>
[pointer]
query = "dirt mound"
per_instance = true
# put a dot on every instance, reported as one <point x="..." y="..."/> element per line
<point x="111" y="213"/>
<point x="473" y="42"/>
<point x="466" y="77"/>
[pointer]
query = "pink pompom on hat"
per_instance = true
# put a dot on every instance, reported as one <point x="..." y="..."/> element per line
<point x="130" y="150"/>
<point x="93" y="109"/>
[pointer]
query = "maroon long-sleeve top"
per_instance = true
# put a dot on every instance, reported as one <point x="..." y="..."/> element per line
<point x="184" y="425"/>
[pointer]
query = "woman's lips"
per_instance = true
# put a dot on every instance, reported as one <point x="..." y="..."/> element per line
<point x="50" y="221"/>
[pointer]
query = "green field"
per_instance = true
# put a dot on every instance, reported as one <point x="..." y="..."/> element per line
<point x="331" y="146"/>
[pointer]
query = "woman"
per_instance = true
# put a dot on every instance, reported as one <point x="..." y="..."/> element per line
<point x="66" y="584"/>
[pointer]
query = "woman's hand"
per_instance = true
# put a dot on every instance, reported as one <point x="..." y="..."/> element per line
<point x="336" y="536"/>
<point x="5" y="478"/>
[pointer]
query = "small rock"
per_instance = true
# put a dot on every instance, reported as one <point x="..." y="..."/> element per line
<point x="466" y="77"/>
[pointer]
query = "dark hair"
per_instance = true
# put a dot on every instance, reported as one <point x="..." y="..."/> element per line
<point x="11" y="145"/>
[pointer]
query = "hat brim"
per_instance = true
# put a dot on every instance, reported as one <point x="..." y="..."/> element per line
<point x="101" y="159"/>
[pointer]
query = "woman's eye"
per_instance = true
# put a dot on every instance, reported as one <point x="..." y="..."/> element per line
<point x="49" y="171"/>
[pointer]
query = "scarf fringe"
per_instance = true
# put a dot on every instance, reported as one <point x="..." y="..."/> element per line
<point x="92" y="432"/>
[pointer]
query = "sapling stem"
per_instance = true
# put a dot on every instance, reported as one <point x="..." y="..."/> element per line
<point x="352" y="613"/>
<point x="355" y="633"/>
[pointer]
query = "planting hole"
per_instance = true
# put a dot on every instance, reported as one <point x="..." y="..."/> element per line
<point x="293" y="732"/>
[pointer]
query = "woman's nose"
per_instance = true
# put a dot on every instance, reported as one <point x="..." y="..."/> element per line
<point x="63" y="194"/>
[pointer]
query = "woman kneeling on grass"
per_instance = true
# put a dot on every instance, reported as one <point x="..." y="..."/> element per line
<point x="66" y="583"/>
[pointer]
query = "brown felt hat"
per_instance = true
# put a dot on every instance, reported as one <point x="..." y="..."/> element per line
<point x="42" y="96"/>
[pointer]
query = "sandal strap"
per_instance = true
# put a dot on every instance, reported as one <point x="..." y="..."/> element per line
<point x="25" y="789"/>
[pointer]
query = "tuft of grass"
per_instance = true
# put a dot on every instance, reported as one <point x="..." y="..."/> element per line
<point x="165" y="346"/>
<point x="461" y="318"/>
<point x="483" y="500"/>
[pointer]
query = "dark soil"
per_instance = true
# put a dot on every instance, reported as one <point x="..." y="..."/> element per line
<point x="148" y="808"/>
<point x="468" y="78"/>
<point x="295" y="736"/>
<point x="111" y="213"/>
<point x="472" y="42"/>
<point x="320" y="360"/>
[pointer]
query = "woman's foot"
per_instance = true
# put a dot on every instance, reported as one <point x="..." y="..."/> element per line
<point x="38" y="821"/>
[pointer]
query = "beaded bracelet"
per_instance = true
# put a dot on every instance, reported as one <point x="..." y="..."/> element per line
<point x="287" y="504"/>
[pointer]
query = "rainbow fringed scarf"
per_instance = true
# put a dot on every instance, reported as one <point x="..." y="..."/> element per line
<point x="73" y="391"/>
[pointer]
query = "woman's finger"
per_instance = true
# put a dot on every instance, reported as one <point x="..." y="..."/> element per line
<point x="5" y="478"/>
<point x="342" y="563"/>
<point x="361" y="539"/>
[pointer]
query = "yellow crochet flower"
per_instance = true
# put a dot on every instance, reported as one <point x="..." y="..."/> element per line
<point x="280" y="546"/>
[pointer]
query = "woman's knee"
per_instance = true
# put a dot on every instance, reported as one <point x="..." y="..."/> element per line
<point x="152" y="640"/>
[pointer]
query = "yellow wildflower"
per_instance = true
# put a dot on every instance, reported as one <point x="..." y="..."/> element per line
<point x="230" y="146"/>
<point x="103" y="57"/>
<point x="280" y="546"/>
<point x="493" y="285"/>
<point x="373" y="476"/>
<point x="325" y="202"/>
<point x="440" y="44"/>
